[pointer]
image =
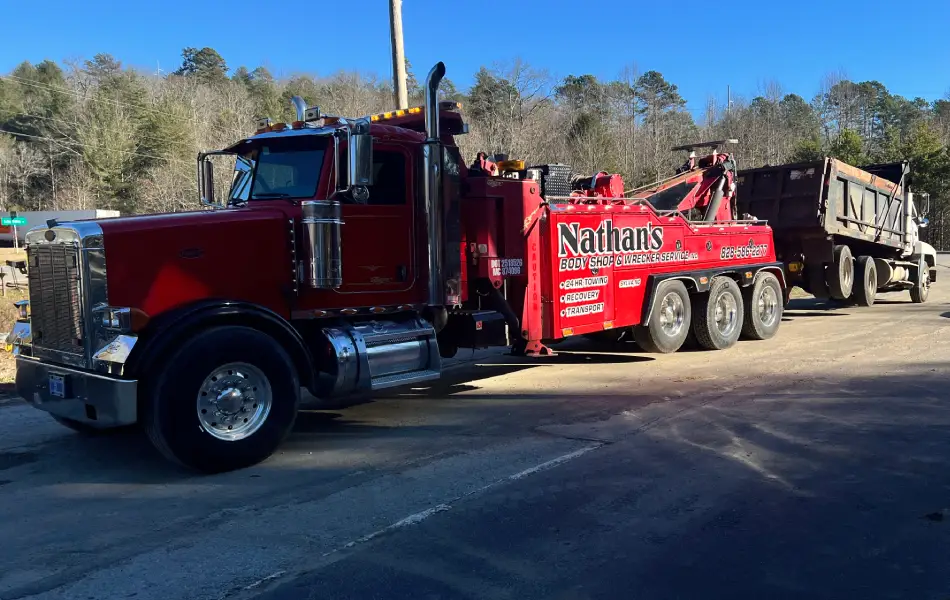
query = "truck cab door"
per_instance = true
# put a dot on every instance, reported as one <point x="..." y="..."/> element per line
<point x="378" y="234"/>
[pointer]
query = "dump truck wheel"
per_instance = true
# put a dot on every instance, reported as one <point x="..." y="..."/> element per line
<point x="668" y="325"/>
<point x="921" y="290"/>
<point x="718" y="315"/>
<point x="866" y="277"/>
<point x="224" y="401"/>
<point x="841" y="274"/>
<point x="764" y="303"/>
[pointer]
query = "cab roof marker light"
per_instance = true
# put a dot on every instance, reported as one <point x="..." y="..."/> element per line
<point x="312" y="114"/>
<point x="414" y="110"/>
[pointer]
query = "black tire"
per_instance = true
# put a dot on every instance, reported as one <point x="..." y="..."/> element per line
<point x="708" y="332"/>
<point x="660" y="334"/>
<point x="763" y="303"/>
<point x="815" y="274"/>
<point x="171" y="404"/>
<point x="866" y="277"/>
<point x="840" y="274"/>
<point x="921" y="290"/>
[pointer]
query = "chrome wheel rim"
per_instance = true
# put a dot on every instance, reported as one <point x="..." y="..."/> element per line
<point x="767" y="306"/>
<point x="727" y="311"/>
<point x="234" y="401"/>
<point x="847" y="279"/>
<point x="672" y="314"/>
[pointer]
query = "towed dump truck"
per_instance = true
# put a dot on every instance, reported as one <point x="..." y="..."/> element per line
<point x="354" y="255"/>
<point x="843" y="232"/>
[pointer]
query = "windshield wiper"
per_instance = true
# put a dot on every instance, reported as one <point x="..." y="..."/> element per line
<point x="271" y="195"/>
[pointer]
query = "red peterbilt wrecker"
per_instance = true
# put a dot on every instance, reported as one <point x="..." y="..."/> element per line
<point x="353" y="255"/>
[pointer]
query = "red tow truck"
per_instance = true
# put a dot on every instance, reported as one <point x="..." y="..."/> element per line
<point x="354" y="255"/>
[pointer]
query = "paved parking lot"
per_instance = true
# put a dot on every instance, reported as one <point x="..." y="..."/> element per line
<point x="812" y="465"/>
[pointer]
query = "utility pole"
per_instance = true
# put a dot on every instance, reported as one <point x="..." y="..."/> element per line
<point x="52" y="175"/>
<point x="400" y="96"/>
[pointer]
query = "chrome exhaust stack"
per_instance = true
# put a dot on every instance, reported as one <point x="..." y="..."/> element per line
<point x="432" y="164"/>
<point x="300" y="105"/>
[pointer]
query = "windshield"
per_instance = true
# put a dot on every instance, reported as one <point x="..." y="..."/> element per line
<point x="281" y="168"/>
<point x="669" y="199"/>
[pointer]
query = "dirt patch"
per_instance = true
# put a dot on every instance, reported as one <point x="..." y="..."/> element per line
<point x="11" y="254"/>
<point x="799" y="293"/>
<point x="8" y="316"/>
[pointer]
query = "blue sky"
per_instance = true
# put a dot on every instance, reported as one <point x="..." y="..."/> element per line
<point x="701" y="47"/>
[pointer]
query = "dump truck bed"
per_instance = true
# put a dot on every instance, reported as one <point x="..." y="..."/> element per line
<point x="827" y="198"/>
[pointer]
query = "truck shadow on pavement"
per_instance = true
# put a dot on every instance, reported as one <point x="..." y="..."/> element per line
<point x="833" y="468"/>
<point x="796" y="433"/>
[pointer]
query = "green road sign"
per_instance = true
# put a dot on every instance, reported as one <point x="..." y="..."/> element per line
<point x="15" y="221"/>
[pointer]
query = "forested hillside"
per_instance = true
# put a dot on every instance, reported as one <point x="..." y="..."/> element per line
<point x="96" y="134"/>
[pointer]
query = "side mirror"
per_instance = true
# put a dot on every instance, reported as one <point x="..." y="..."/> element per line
<point x="206" y="182"/>
<point x="360" y="161"/>
<point x="922" y="222"/>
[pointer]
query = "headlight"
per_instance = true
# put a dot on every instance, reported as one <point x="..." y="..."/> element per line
<point x="121" y="320"/>
<point x="23" y="309"/>
<point x="115" y="318"/>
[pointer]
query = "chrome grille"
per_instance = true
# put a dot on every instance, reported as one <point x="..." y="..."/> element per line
<point x="55" y="305"/>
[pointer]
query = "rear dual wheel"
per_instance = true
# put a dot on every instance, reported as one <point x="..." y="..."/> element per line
<point x="840" y="273"/>
<point x="833" y="280"/>
<point x="719" y="315"/>
<point x="669" y="321"/>
<point x="764" y="305"/>
<point x="713" y="320"/>
<point x="866" y="279"/>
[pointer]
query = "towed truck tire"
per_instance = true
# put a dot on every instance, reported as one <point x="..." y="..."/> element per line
<point x="840" y="273"/>
<point x="866" y="278"/>
<point x="225" y="400"/>
<point x="764" y="305"/>
<point x="718" y="314"/>
<point x="668" y="325"/>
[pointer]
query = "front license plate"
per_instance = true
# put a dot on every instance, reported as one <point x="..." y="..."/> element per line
<point x="57" y="386"/>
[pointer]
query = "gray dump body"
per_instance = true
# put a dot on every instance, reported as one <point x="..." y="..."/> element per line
<point x="812" y="205"/>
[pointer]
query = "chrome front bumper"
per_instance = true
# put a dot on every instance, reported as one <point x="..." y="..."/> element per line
<point x="97" y="400"/>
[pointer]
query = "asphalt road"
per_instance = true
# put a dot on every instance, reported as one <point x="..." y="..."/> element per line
<point x="813" y="465"/>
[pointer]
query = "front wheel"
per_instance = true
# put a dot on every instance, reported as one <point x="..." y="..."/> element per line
<point x="764" y="305"/>
<point x="921" y="290"/>
<point x="224" y="401"/>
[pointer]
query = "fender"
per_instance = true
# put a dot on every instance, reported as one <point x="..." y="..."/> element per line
<point x="699" y="280"/>
<point x="165" y="333"/>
